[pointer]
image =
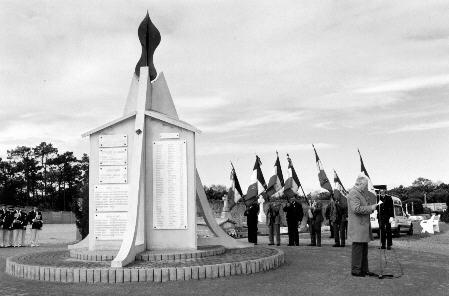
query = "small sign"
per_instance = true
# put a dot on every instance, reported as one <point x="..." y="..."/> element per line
<point x="110" y="226"/>
<point x="169" y="135"/>
<point x="117" y="174"/>
<point x="113" y="156"/>
<point x="113" y="198"/>
<point x="113" y="141"/>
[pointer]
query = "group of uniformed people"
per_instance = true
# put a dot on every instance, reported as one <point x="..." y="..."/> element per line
<point x="294" y="214"/>
<point x="13" y="226"/>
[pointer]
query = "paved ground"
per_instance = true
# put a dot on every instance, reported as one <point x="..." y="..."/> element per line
<point x="419" y="270"/>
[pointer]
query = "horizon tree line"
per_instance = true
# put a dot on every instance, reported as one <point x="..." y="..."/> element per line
<point x="42" y="176"/>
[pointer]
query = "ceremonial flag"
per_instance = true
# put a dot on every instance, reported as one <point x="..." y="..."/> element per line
<point x="362" y="165"/>
<point x="339" y="184"/>
<point x="372" y="199"/>
<point x="258" y="184"/>
<point x="276" y="181"/>
<point x="322" y="177"/>
<point x="235" y="191"/>
<point x="292" y="184"/>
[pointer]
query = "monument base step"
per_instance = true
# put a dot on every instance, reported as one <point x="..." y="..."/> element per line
<point x="150" y="255"/>
<point x="57" y="266"/>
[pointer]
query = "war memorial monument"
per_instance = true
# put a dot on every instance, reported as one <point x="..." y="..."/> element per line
<point x="145" y="193"/>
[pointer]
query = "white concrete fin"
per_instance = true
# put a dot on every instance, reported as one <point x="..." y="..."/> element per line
<point x="221" y="237"/>
<point x="128" y="249"/>
<point x="160" y="99"/>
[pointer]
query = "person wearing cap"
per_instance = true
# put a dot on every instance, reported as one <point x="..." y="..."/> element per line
<point x="2" y="218"/>
<point x="294" y="215"/>
<point x="359" y="226"/>
<point x="35" y="219"/>
<point x="252" y="213"/>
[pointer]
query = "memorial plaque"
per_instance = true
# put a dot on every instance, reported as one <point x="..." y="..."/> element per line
<point x="110" y="226"/>
<point x="113" y="174"/>
<point x="169" y="135"/>
<point x="169" y="184"/>
<point x="111" y="198"/>
<point x="113" y="156"/>
<point x="113" y="141"/>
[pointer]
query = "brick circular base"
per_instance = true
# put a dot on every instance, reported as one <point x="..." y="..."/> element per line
<point x="165" y="255"/>
<point x="58" y="266"/>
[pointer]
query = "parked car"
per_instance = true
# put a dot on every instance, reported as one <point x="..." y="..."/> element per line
<point x="401" y="222"/>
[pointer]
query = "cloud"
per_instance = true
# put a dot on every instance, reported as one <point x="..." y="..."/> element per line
<point x="406" y="84"/>
<point x="259" y="148"/>
<point x="421" y="127"/>
<point x="256" y="120"/>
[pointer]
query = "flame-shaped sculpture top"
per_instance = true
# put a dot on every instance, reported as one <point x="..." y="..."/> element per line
<point x="150" y="38"/>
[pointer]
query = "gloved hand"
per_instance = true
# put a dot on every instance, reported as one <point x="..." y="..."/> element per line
<point x="390" y="220"/>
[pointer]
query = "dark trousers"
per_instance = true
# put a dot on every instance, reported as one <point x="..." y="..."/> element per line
<point x="340" y="233"/>
<point x="252" y="233"/>
<point x="293" y="235"/>
<point x="272" y="230"/>
<point x="359" y="264"/>
<point x="385" y="233"/>
<point x="315" y="234"/>
<point x="331" y="229"/>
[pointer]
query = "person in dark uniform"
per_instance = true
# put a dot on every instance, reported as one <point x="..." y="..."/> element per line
<point x="294" y="215"/>
<point x="327" y="215"/>
<point x="340" y="218"/>
<point x="24" y="221"/>
<point x="17" y="228"/>
<point x="35" y="219"/>
<point x="274" y="223"/>
<point x="8" y="227"/>
<point x="251" y="214"/>
<point x="2" y="217"/>
<point x="315" y="220"/>
<point x="385" y="215"/>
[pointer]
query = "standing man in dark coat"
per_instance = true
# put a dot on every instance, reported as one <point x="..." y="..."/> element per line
<point x="359" y="225"/>
<point x="385" y="216"/>
<point x="315" y="220"/>
<point x="252" y="213"/>
<point x="2" y="217"/>
<point x="340" y="218"/>
<point x="294" y="215"/>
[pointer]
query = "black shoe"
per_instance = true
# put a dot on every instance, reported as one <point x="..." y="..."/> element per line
<point x="336" y="245"/>
<point x="389" y="248"/>
<point x="270" y="244"/>
<point x="358" y="274"/>
<point x="369" y="273"/>
<point x="311" y="245"/>
<point x="382" y="248"/>
<point x="278" y="245"/>
<point x="342" y="246"/>
<point x="255" y="244"/>
<point x="289" y="245"/>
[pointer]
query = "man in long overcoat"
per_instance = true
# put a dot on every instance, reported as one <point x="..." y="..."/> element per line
<point x="359" y="226"/>
<point x="294" y="214"/>
<point x="251" y="213"/>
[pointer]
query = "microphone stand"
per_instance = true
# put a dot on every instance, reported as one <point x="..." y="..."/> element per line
<point x="381" y="273"/>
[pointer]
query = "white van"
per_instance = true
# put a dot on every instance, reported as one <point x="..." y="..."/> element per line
<point x="401" y="223"/>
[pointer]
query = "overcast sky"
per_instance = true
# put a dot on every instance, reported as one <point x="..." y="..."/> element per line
<point x="254" y="76"/>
